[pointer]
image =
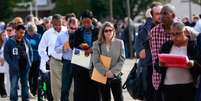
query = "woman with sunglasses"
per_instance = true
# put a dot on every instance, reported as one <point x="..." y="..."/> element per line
<point x="10" y="29"/>
<point x="112" y="47"/>
<point x="178" y="82"/>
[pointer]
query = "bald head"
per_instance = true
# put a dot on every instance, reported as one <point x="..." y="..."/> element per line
<point x="169" y="8"/>
<point x="167" y="14"/>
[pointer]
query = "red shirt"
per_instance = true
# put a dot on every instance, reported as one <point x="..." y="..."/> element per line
<point x="158" y="36"/>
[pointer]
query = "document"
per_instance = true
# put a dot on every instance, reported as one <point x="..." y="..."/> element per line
<point x="96" y="75"/>
<point x="80" y="59"/>
<point x="175" y="61"/>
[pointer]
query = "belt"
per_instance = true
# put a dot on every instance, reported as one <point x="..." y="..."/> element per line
<point x="66" y="60"/>
<point x="56" y="59"/>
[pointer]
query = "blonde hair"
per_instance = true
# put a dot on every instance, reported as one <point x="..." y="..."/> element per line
<point x="101" y="37"/>
<point x="18" y="20"/>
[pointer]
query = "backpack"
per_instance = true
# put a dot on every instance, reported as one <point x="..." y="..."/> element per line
<point x="135" y="83"/>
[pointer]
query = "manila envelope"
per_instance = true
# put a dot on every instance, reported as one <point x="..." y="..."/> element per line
<point x="66" y="45"/>
<point x="96" y="75"/>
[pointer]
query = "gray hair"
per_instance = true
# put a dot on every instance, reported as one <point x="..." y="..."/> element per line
<point x="56" y="17"/>
<point x="72" y="19"/>
<point x="31" y="27"/>
<point x="178" y="25"/>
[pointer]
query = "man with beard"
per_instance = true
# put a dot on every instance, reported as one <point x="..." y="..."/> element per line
<point x="158" y="36"/>
<point x="142" y="46"/>
<point x="19" y="55"/>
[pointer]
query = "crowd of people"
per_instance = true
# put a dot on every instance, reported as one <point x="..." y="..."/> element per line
<point x="39" y="54"/>
<point x="164" y="32"/>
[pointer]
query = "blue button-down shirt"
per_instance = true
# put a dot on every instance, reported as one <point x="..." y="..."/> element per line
<point x="59" y="46"/>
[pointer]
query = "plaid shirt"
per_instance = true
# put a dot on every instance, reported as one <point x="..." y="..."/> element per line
<point x="158" y="36"/>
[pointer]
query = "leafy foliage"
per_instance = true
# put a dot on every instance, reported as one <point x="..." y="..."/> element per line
<point x="100" y="8"/>
<point x="6" y="9"/>
<point x="67" y="6"/>
<point x="197" y="1"/>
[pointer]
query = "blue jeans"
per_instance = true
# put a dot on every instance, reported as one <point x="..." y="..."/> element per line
<point x="23" y="75"/>
<point x="66" y="80"/>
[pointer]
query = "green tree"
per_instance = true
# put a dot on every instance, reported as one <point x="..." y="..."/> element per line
<point x="67" y="6"/>
<point x="197" y="1"/>
<point x="138" y="6"/>
<point x="6" y="7"/>
<point x="100" y="8"/>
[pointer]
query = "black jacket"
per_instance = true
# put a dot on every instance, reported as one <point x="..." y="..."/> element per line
<point x="142" y="42"/>
<point x="79" y="36"/>
<point x="192" y="53"/>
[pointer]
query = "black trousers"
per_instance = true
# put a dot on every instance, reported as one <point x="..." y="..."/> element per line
<point x="2" y="85"/>
<point x="33" y="77"/>
<point x="114" y="85"/>
<point x="179" y="92"/>
<point x="151" y="93"/>
<point x="85" y="89"/>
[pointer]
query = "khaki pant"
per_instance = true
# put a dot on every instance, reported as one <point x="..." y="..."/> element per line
<point x="55" y="77"/>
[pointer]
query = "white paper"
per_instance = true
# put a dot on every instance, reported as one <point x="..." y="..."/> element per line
<point x="80" y="59"/>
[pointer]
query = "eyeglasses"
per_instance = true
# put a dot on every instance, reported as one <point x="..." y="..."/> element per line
<point x="8" y="30"/>
<point x="108" y="30"/>
<point x="73" y="28"/>
<point x="176" y="33"/>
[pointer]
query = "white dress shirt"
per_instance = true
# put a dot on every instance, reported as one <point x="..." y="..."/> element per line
<point x="48" y="40"/>
<point x="197" y="27"/>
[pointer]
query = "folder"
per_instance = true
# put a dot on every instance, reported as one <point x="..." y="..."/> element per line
<point x="96" y="75"/>
<point x="174" y="61"/>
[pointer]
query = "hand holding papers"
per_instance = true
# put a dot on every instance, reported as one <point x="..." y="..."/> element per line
<point x="84" y="46"/>
<point x="96" y="75"/>
<point x="80" y="59"/>
<point x="174" y="61"/>
<point x="66" y="45"/>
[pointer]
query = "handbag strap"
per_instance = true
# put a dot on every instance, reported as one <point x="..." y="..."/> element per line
<point x="99" y="46"/>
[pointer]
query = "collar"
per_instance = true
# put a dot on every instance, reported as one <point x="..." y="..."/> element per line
<point x="82" y="28"/>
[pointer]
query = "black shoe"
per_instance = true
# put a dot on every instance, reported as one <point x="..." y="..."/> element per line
<point x="4" y="96"/>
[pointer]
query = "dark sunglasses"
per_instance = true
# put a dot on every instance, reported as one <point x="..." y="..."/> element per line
<point x="108" y="30"/>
